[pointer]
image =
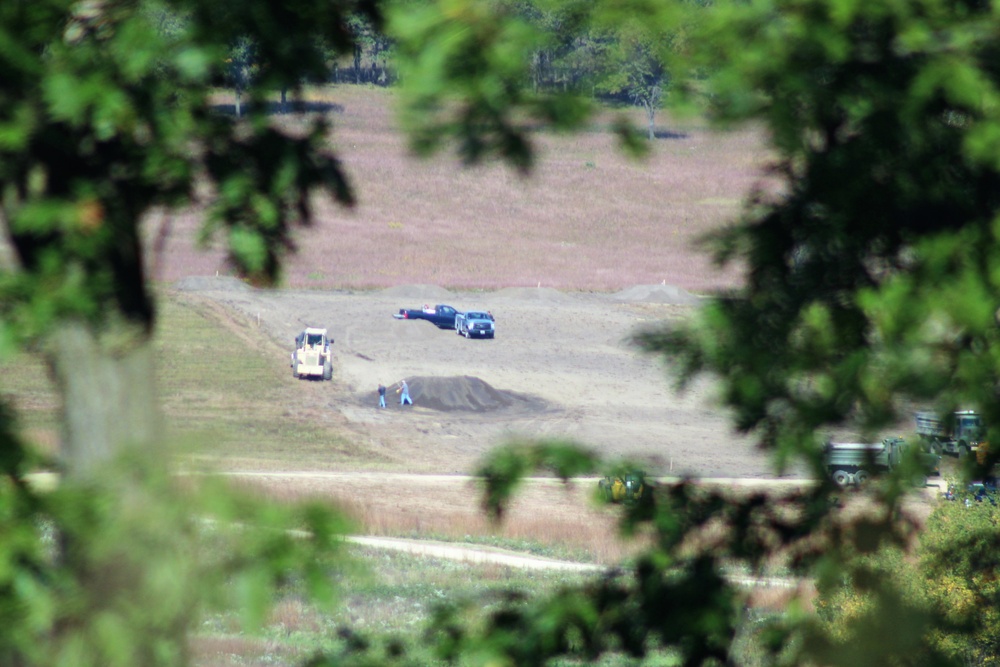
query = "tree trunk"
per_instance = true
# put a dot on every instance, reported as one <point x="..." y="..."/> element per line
<point x="239" y="96"/>
<point x="106" y="381"/>
<point x="284" y="99"/>
<point x="651" y="119"/>
<point x="107" y="385"/>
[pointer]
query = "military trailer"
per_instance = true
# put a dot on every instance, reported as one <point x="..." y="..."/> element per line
<point x="959" y="435"/>
<point x="312" y="358"/>
<point x="854" y="462"/>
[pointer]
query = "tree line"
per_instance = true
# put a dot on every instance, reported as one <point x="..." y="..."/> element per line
<point x="568" y="50"/>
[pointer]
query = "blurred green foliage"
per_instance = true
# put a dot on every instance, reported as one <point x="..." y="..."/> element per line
<point x="946" y="584"/>
<point x="120" y="570"/>
<point x="870" y="254"/>
<point x="107" y="115"/>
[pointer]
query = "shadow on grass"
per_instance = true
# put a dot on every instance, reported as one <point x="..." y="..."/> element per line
<point x="277" y="109"/>
<point x="603" y="128"/>
<point x="669" y="134"/>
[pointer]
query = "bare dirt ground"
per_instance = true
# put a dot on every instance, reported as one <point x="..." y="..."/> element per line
<point x="561" y="366"/>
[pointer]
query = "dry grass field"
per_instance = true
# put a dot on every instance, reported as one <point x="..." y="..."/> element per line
<point x="553" y="254"/>
<point x="587" y="218"/>
<point x="587" y="223"/>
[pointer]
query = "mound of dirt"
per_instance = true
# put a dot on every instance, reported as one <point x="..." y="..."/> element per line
<point x="465" y="394"/>
<point x="670" y="294"/>
<point x="211" y="283"/>
<point x="422" y="293"/>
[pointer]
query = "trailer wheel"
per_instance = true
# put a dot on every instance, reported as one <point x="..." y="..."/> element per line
<point x="841" y="477"/>
<point x="861" y="477"/>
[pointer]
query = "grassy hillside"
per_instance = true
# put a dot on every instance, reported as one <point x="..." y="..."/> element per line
<point x="224" y="389"/>
<point x="223" y="392"/>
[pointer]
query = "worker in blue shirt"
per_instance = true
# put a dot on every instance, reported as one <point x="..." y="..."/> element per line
<point x="404" y="393"/>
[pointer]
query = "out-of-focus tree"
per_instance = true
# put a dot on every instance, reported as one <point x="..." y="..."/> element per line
<point x="107" y="115"/>
<point x="635" y="69"/>
<point x="115" y="120"/>
<point x="869" y="253"/>
<point x="945" y="582"/>
<point x="869" y="264"/>
<point x="242" y="66"/>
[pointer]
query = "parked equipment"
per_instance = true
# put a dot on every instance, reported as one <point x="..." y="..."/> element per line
<point x="312" y="357"/>
<point x="854" y="463"/>
<point x="960" y="435"/>
<point x="629" y="488"/>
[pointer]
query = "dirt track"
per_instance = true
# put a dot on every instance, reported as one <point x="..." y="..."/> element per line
<point x="563" y="361"/>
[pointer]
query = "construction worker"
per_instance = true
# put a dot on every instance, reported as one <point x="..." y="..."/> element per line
<point x="404" y="393"/>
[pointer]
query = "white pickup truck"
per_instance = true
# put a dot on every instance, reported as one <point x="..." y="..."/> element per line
<point x="475" y="324"/>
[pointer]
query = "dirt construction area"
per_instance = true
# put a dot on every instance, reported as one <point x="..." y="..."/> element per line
<point x="561" y="366"/>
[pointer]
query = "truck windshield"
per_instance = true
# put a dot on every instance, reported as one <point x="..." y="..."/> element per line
<point x="315" y="339"/>
<point x="968" y="424"/>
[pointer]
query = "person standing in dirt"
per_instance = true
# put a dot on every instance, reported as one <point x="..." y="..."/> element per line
<point x="381" y="395"/>
<point x="404" y="393"/>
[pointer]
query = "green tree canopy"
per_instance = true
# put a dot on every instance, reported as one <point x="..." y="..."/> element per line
<point x="868" y="258"/>
<point x="106" y="116"/>
<point x="869" y="253"/>
<point x="870" y="261"/>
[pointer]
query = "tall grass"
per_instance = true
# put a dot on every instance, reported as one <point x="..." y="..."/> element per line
<point x="573" y="526"/>
<point x="587" y="218"/>
<point x="385" y="595"/>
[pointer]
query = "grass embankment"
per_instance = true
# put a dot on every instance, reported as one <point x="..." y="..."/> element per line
<point x="221" y="391"/>
<point x="224" y="391"/>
